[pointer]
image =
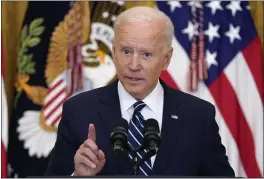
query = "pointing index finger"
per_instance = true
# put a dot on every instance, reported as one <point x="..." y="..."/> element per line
<point x="92" y="133"/>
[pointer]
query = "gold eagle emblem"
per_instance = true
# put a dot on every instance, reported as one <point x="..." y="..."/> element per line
<point x="63" y="35"/>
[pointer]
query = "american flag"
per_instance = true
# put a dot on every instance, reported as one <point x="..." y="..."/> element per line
<point x="59" y="90"/>
<point x="234" y="82"/>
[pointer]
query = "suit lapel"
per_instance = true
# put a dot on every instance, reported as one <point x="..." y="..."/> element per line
<point x="110" y="114"/>
<point x="171" y="124"/>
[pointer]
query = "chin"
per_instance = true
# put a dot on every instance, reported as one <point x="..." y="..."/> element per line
<point x="135" y="92"/>
<point x="132" y="90"/>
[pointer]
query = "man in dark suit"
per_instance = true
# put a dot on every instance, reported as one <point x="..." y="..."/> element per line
<point x="190" y="142"/>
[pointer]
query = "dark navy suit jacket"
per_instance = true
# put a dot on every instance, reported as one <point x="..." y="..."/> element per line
<point x="190" y="145"/>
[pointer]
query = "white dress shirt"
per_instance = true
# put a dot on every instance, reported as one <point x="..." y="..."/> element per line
<point x="153" y="109"/>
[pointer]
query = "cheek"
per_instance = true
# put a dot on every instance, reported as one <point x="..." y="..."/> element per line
<point x="120" y="64"/>
<point x="153" y="67"/>
<point x="162" y="65"/>
<point x="122" y="61"/>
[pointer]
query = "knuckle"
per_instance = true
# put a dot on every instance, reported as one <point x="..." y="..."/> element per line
<point x="79" y="151"/>
<point x="81" y="146"/>
<point x="88" y="151"/>
<point x="76" y="158"/>
<point x="88" y="141"/>
<point x="96" y="147"/>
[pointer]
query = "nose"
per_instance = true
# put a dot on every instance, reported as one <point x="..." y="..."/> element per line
<point x="134" y="63"/>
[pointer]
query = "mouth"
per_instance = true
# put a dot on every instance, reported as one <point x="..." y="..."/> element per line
<point x="134" y="79"/>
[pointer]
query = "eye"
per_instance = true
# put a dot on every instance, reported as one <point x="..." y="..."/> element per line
<point x="126" y="51"/>
<point x="147" y="54"/>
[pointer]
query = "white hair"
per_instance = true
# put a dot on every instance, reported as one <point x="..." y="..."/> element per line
<point x="147" y="14"/>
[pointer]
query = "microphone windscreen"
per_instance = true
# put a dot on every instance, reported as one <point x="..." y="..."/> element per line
<point x="152" y="123"/>
<point x="121" y="126"/>
<point x="123" y="123"/>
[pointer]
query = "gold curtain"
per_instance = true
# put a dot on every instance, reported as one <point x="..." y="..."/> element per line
<point x="12" y="19"/>
<point x="257" y="11"/>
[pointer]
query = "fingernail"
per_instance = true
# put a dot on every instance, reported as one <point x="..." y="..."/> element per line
<point x="94" y="166"/>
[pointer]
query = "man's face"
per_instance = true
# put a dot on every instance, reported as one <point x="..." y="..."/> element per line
<point x="140" y="54"/>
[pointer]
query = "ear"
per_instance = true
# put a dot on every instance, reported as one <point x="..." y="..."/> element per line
<point x="167" y="60"/>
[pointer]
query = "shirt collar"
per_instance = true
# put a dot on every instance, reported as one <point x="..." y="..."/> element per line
<point x="126" y="100"/>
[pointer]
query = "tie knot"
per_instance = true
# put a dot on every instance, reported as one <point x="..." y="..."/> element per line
<point x="138" y="106"/>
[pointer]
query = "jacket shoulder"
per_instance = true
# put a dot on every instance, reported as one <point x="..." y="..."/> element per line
<point x="91" y="96"/>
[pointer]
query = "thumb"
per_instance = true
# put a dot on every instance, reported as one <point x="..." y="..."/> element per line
<point x="101" y="155"/>
<point x="92" y="133"/>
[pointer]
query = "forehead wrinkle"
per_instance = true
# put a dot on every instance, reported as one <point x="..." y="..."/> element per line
<point x="153" y="38"/>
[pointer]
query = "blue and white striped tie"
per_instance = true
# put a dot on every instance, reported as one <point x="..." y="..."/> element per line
<point x="135" y="137"/>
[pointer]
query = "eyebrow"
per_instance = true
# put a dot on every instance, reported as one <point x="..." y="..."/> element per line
<point x="140" y="49"/>
<point x="124" y="46"/>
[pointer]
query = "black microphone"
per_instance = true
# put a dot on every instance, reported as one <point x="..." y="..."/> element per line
<point x="151" y="139"/>
<point x="118" y="138"/>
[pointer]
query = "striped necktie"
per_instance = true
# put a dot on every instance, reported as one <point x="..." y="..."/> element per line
<point x="135" y="137"/>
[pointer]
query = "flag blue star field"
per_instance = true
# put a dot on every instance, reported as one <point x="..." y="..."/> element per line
<point x="217" y="57"/>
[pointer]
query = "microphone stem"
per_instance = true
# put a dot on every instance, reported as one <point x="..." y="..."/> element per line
<point x="136" y="166"/>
